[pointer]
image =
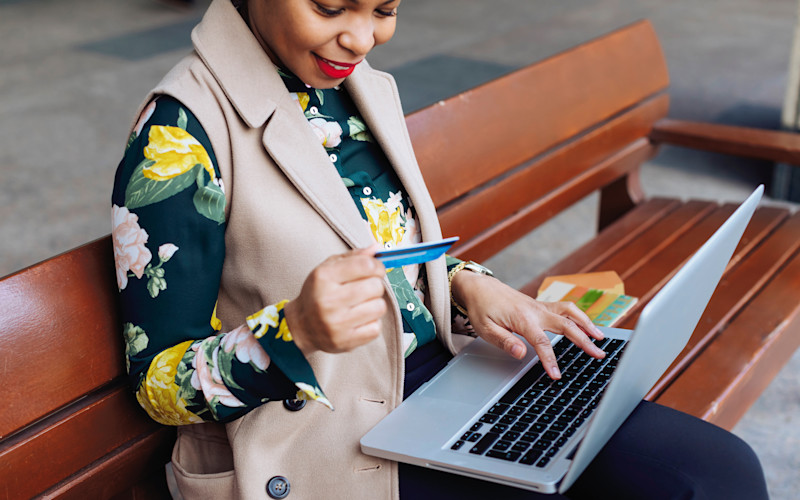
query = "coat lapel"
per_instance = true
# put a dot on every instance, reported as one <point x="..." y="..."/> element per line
<point x="376" y="97"/>
<point x="296" y="150"/>
<point x="257" y="92"/>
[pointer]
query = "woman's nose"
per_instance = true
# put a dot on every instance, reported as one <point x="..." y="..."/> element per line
<point x="359" y="38"/>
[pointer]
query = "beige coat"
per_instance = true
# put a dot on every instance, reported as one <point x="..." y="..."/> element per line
<point x="287" y="211"/>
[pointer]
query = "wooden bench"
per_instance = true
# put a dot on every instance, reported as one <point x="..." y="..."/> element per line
<point x="499" y="160"/>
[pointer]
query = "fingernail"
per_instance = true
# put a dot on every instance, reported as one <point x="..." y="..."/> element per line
<point x="516" y="351"/>
<point x="556" y="372"/>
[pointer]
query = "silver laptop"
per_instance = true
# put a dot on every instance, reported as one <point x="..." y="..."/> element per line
<point x="489" y="416"/>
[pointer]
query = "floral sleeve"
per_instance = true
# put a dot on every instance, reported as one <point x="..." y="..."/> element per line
<point x="169" y="245"/>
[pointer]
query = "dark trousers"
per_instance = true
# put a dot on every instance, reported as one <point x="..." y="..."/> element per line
<point x="658" y="453"/>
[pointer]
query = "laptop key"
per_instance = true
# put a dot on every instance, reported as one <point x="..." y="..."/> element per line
<point x="486" y="441"/>
<point x="498" y="409"/>
<point x="543" y="462"/>
<point x="488" y="418"/>
<point x="457" y="445"/>
<point x="521" y="446"/>
<point x="516" y="410"/>
<point x="499" y="428"/>
<point x="508" y="419"/>
<point x="542" y="444"/>
<point x="523" y="384"/>
<point x="476" y="427"/>
<point x="531" y="457"/>
<point x="502" y="445"/>
<point x="519" y="427"/>
<point x="529" y="437"/>
<point x="511" y="456"/>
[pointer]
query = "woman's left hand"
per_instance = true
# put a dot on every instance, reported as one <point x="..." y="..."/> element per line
<point x="497" y="311"/>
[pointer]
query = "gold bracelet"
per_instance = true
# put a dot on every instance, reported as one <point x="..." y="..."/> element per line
<point x="471" y="266"/>
<point x="450" y="275"/>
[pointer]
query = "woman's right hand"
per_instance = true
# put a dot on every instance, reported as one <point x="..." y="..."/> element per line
<point x="341" y="303"/>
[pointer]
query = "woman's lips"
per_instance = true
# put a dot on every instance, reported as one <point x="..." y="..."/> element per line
<point x="334" y="69"/>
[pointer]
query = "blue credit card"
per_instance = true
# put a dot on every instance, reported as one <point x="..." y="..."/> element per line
<point x="415" y="254"/>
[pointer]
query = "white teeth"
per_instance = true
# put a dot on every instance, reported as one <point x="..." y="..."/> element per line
<point x="336" y="66"/>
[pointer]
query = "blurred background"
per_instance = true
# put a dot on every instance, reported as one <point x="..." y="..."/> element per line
<point x="72" y="73"/>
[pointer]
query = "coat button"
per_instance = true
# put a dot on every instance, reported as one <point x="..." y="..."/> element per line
<point x="278" y="487"/>
<point x="294" y="404"/>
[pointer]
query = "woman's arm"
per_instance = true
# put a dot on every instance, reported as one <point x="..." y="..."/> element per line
<point x="169" y="246"/>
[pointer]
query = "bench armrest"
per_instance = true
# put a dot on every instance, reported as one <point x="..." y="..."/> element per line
<point x="727" y="139"/>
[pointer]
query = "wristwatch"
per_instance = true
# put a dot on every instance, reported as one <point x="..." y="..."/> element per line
<point x="477" y="268"/>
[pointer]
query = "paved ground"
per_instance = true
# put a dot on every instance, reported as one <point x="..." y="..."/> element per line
<point x="73" y="71"/>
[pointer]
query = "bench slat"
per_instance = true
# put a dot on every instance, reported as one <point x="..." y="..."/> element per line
<point x="607" y="242"/>
<point x="743" y="279"/>
<point x="745" y="356"/>
<point x="56" y="448"/>
<point x="55" y="351"/>
<point x="464" y="141"/>
<point x="469" y="216"/>
<point x="111" y="476"/>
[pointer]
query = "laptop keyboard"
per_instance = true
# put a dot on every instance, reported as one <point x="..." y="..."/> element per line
<point x="536" y="417"/>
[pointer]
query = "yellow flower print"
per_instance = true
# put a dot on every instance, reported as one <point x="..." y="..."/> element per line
<point x="216" y="324"/>
<point x="302" y="99"/>
<point x="386" y="224"/>
<point x="174" y="152"/>
<point x="308" y="393"/>
<point x="283" y="332"/>
<point x="158" y="394"/>
<point x="261" y="321"/>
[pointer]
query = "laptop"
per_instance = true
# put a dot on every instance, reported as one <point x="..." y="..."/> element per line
<point x="489" y="416"/>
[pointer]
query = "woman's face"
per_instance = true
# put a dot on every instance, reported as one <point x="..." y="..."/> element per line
<point x="321" y="41"/>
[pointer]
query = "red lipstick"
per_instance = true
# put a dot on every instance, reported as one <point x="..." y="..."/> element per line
<point x="334" y="69"/>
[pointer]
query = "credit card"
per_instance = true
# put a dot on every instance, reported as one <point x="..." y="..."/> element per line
<point x="415" y="254"/>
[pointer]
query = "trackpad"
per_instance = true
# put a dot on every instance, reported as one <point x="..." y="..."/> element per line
<point x="471" y="379"/>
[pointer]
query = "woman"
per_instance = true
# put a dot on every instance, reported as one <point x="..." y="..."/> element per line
<point x="264" y="172"/>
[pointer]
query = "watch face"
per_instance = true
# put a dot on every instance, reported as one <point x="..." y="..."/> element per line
<point x="474" y="266"/>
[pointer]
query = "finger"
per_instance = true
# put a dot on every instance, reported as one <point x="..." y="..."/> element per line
<point x="573" y="312"/>
<point x="355" y="292"/>
<point x="365" y="312"/>
<point x="568" y="328"/>
<point x="351" y="266"/>
<point x="370" y="250"/>
<point x="544" y="349"/>
<point x="502" y="339"/>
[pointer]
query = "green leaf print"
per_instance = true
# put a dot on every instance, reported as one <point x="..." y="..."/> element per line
<point x="310" y="116"/>
<point x="183" y="120"/>
<point x="358" y="129"/>
<point x="135" y="342"/>
<point x="225" y="366"/>
<point x="156" y="284"/>
<point x="142" y="191"/>
<point x="131" y="138"/>
<point x="209" y="201"/>
<point x="405" y="294"/>
<point x="320" y="96"/>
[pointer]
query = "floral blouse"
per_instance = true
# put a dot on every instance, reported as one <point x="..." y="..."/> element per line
<point x="169" y="245"/>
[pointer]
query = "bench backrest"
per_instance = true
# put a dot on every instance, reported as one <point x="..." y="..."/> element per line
<point x="504" y="157"/>
<point x="498" y="160"/>
<point x="69" y="424"/>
